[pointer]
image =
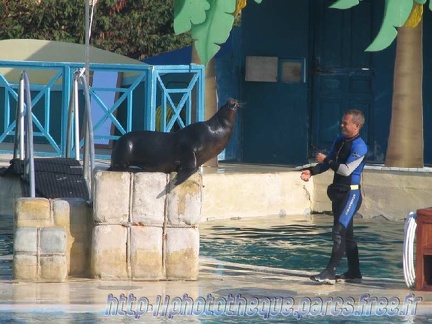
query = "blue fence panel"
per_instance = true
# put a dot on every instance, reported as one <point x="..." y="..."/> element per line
<point x="144" y="97"/>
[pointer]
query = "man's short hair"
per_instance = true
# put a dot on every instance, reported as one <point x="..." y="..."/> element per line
<point x="358" y="116"/>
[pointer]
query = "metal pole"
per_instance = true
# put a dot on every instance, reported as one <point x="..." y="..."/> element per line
<point x="89" y="150"/>
<point x="69" y="129"/>
<point x="76" y="126"/>
<point x="29" y="137"/>
<point x="19" y="133"/>
<point x="21" y="120"/>
<point x="87" y="41"/>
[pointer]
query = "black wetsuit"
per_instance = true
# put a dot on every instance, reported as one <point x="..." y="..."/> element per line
<point x="346" y="159"/>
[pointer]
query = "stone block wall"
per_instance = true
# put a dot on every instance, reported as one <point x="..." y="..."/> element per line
<point x="242" y="194"/>
<point x="141" y="227"/>
<point x="51" y="239"/>
<point x="389" y="193"/>
<point x="145" y="228"/>
<point x="40" y="254"/>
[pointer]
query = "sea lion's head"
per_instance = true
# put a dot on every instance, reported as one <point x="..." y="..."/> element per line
<point x="226" y="114"/>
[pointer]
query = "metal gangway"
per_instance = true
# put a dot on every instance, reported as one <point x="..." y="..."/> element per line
<point x="58" y="177"/>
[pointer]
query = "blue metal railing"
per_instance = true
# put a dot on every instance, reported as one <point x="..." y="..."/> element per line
<point x="144" y="90"/>
<point x="23" y="140"/>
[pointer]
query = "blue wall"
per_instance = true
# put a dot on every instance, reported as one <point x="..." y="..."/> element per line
<point x="427" y="85"/>
<point x="274" y="126"/>
<point x="283" y="29"/>
<point x="275" y="129"/>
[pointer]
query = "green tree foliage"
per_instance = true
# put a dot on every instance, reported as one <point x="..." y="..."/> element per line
<point x="210" y="22"/>
<point x="134" y="28"/>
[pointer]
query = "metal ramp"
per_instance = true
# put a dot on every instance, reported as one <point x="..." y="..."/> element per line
<point x="54" y="178"/>
<point x="60" y="177"/>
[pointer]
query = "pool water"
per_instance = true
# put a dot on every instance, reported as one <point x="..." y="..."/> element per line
<point x="277" y="242"/>
<point x="300" y="243"/>
<point x="96" y="318"/>
<point x="306" y="244"/>
<point x="6" y="247"/>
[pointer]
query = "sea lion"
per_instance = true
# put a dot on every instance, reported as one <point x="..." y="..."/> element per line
<point x="183" y="151"/>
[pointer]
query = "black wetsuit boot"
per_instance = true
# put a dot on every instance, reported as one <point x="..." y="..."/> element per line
<point x="353" y="274"/>
<point x="328" y="276"/>
<point x="351" y="250"/>
<point x="338" y="247"/>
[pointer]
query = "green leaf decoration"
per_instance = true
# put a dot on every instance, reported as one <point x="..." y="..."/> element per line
<point x="344" y="4"/>
<point x="420" y="1"/>
<point x="215" y="30"/>
<point x="188" y="12"/>
<point x="395" y="15"/>
<point x="258" y="1"/>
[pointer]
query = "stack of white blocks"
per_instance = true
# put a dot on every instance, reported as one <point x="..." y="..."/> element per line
<point x="145" y="228"/>
<point x="48" y="235"/>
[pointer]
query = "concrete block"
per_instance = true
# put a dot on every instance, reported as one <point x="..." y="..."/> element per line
<point x="53" y="240"/>
<point x="25" y="267"/>
<point x="137" y="251"/>
<point x="108" y="252"/>
<point x="40" y="254"/>
<point x="184" y="201"/>
<point x="394" y="194"/>
<point x="146" y="253"/>
<point x="74" y="215"/>
<point x="61" y="213"/>
<point x="148" y="197"/>
<point x="234" y="195"/>
<point x="112" y="195"/>
<point x="26" y="240"/>
<point x="386" y="192"/>
<point x="79" y="259"/>
<point x="33" y="212"/>
<point x="182" y="253"/>
<point x="53" y="268"/>
<point x="320" y="201"/>
<point x="25" y="261"/>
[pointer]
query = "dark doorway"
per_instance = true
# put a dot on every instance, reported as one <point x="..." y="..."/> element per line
<point x="275" y="83"/>
<point x="342" y="72"/>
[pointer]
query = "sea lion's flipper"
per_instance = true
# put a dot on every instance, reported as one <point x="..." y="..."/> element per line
<point x="183" y="175"/>
<point x="187" y="167"/>
<point x="188" y="160"/>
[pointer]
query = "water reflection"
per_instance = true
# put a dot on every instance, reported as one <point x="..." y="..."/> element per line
<point x="6" y="246"/>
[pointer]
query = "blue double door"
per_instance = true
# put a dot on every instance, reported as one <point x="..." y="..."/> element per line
<point x="322" y="70"/>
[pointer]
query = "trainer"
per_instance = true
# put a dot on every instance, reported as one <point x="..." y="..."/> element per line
<point x="346" y="159"/>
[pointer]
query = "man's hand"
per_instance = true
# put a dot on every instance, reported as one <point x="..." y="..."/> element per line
<point x="320" y="157"/>
<point x="305" y="175"/>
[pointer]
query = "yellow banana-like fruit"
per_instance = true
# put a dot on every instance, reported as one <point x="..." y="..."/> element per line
<point x="240" y="5"/>
<point x="415" y="16"/>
